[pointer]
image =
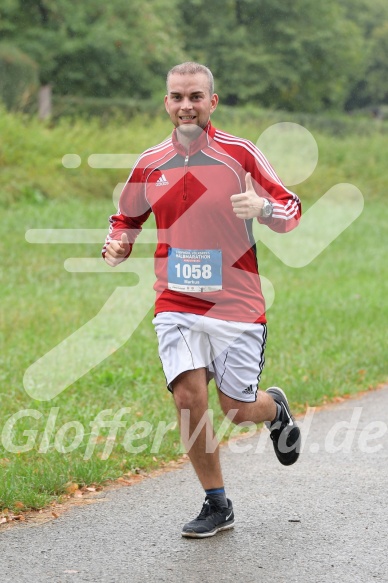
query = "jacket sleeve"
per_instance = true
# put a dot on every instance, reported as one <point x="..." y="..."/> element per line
<point x="287" y="208"/>
<point x="133" y="210"/>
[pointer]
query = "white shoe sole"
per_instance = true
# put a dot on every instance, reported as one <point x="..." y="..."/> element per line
<point x="207" y="534"/>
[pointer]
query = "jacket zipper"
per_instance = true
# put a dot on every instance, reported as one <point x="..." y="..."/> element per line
<point x="184" y="177"/>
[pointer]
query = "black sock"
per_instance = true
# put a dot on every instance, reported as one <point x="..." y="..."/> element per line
<point x="217" y="495"/>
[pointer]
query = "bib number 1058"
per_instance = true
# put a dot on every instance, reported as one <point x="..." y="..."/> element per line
<point x="188" y="271"/>
<point x="194" y="270"/>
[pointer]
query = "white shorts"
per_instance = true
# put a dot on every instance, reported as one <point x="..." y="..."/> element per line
<point x="232" y="352"/>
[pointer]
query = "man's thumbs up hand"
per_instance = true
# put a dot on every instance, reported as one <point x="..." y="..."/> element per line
<point x="117" y="251"/>
<point x="248" y="204"/>
<point x="124" y="241"/>
<point x="248" y="182"/>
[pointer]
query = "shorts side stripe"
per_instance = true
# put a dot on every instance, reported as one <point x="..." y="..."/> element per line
<point x="188" y="347"/>
<point x="262" y="355"/>
<point x="226" y="358"/>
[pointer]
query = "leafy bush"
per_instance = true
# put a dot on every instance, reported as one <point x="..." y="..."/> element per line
<point x="18" y="78"/>
<point x="105" y="109"/>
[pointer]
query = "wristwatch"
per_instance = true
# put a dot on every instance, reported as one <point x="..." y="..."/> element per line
<point x="267" y="210"/>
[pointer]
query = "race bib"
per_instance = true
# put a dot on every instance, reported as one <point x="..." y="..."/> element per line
<point x="195" y="270"/>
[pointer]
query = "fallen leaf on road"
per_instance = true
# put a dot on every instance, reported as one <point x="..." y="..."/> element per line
<point x="71" y="487"/>
<point x="123" y="481"/>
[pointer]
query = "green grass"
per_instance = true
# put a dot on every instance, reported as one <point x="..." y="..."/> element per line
<point x="327" y="326"/>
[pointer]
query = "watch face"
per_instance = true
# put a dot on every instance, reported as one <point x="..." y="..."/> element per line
<point x="267" y="209"/>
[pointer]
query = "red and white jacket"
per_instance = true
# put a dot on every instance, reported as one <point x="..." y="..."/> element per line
<point x="189" y="194"/>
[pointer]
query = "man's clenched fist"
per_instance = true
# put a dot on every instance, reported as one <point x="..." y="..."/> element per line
<point x="117" y="251"/>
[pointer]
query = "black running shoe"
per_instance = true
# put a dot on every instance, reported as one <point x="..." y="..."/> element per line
<point x="285" y="433"/>
<point x="210" y="520"/>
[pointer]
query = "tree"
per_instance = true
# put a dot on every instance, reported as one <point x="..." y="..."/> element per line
<point x="377" y="70"/>
<point x="94" y="47"/>
<point x="18" y="78"/>
<point x="293" y="54"/>
<point x="290" y="54"/>
<point x="370" y="83"/>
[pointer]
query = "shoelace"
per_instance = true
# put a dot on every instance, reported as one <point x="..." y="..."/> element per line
<point x="207" y="508"/>
<point x="205" y="511"/>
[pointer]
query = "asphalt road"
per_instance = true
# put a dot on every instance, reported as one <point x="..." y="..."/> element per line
<point x="325" y="519"/>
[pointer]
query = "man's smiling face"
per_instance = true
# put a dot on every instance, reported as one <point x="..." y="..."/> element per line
<point x="189" y="102"/>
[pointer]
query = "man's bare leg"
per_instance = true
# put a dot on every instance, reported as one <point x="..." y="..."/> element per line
<point x="271" y="406"/>
<point x="190" y="393"/>
<point x="263" y="409"/>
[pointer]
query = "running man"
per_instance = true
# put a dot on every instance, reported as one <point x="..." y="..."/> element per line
<point x="205" y="188"/>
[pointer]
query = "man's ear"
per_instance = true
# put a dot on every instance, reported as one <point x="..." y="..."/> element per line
<point x="214" y="102"/>
<point x="166" y="103"/>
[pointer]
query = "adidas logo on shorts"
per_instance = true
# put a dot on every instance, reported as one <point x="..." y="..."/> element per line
<point x="249" y="390"/>
<point x="162" y="181"/>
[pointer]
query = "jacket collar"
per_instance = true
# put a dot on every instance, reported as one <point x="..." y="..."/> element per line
<point x="199" y="144"/>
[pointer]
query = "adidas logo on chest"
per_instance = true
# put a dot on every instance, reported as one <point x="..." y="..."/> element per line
<point x="162" y="181"/>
